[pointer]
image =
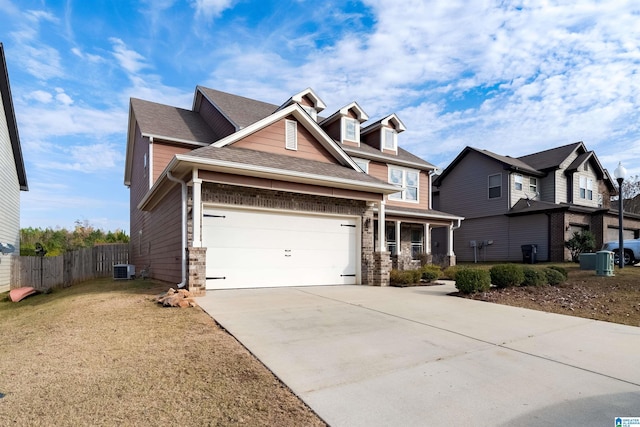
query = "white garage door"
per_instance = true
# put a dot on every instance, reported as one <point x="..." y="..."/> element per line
<point x="248" y="248"/>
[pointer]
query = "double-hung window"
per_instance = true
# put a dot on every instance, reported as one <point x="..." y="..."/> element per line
<point x="362" y="164"/>
<point x="389" y="139"/>
<point x="495" y="186"/>
<point x="518" y="182"/>
<point x="407" y="178"/>
<point x="350" y="129"/>
<point x="533" y="185"/>
<point x="586" y="188"/>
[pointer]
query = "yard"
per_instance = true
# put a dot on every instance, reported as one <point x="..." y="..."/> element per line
<point x="104" y="353"/>
<point x="612" y="299"/>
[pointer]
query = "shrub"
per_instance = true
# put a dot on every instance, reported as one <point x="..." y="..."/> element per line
<point x="505" y="275"/>
<point x="554" y="277"/>
<point x="430" y="272"/>
<point x="404" y="277"/>
<point x="533" y="277"/>
<point x="562" y="270"/>
<point x="450" y="272"/>
<point x="581" y="242"/>
<point x="472" y="280"/>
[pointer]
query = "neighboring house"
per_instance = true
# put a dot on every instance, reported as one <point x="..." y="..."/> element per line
<point x="275" y="195"/>
<point x="540" y="199"/>
<point x="13" y="178"/>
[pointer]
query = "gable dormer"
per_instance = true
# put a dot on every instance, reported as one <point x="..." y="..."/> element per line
<point x="344" y="124"/>
<point x="308" y="100"/>
<point x="383" y="134"/>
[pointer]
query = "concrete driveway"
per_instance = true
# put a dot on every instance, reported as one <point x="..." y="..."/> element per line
<point x="370" y="356"/>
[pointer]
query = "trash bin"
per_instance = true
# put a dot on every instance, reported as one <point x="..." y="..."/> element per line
<point x="604" y="263"/>
<point x="529" y="254"/>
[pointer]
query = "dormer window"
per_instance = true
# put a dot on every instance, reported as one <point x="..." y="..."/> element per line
<point x="389" y="139"/>
<point x="350" y="129"/>
<point x="311" y="111"/>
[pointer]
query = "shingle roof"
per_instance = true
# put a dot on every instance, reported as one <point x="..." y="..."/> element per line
<point x="12" y="125"/>
<point x="509" y="161"/>
<point x="171" y="122"/>
<point x="283" y="162"/>
<point x="240" y="110"/>
<point x="552" y="158"/>
<point x="366" y="151"/>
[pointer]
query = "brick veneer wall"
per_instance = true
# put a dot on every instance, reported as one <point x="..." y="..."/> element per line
<point x="196" y="277"/>
<point x="371" y="272"/>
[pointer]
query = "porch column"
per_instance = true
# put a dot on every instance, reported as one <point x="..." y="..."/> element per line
<point x="382" y="236"/>
<point x="427" y="239"/>
<point x="398" y="240"/>
<point x="197" y="210"/>
<point x="450" y="242"/>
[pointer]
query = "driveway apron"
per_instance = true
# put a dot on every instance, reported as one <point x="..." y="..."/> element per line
<point x="372" y="356"/>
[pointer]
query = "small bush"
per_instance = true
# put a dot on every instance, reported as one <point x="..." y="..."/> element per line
<point x="404" y="277"/>
<point x="562" y="270"/>
<point x="581" y="242"/>
<point x="554" y="277"/>
<point x="505" y="275"/>
<point x="472" y="280"/>
<point x="533" y="277"/>
<point x="431" y="272"/>
<point x="450" y="272"/>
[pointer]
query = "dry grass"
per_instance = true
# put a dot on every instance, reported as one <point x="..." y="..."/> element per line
<point x="612" y="299"/>
<point x="104" y="353"/>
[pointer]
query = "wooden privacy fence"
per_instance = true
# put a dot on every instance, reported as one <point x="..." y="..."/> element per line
<point x="65" y="270"/>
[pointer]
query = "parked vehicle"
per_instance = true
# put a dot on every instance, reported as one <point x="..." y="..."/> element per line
<point x="631" y="250"/>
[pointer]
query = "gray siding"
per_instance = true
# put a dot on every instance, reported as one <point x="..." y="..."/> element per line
<point x="493" y="229"/>
<point x="465" y="190"/>
<point x="10" y="206"/>
<point x="525" y="192"/>
<point x="527" y="230"/>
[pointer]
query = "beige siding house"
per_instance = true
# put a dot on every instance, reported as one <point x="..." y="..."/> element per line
<point x="241" y="193"/>
<point x="12" y="177"/>
<point x="540" y="199"/>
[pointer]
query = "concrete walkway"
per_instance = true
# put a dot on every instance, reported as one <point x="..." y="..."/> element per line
<point x="370" y="356"/>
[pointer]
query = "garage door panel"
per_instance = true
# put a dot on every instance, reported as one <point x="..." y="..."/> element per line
<point x="253" y="249"/>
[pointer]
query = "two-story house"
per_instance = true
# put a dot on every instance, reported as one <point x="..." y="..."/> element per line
<point x="12" y="176"/>
<point x="540" y="199"/>
<point x="241" y="193"/>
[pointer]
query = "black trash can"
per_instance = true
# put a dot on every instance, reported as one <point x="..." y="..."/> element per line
<point x="529" y="254"/>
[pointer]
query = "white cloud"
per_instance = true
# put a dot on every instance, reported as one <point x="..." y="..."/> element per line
<point x="40" y="96"/>
<point x="128" y="59"/>
<point x="210" y="8"/>
<point x="62" y="97"/>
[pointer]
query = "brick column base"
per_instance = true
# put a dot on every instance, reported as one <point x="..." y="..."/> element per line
<point x="197" y="275"/>
<point x="382" y="267"/>
<point x="450" y="260"/>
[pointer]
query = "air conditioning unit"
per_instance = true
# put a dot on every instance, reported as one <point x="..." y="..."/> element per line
<point x="124" y="271"/>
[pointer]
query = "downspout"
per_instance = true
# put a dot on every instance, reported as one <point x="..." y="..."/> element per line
<point x="184" y="227"/>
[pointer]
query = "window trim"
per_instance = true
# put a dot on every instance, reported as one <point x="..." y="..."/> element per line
<point x="394" y="138"/>
<point x="291" y="135"/>
<point x="356" y="127"/>
<point x="403" y="193"/>
<point x="365" y="163"/>
<point x="518" y="180"/>
<point x="489" y="187"/>
<point x="587" y="188"/>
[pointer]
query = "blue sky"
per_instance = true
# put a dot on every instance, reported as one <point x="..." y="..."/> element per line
<point x="513" y="77"/>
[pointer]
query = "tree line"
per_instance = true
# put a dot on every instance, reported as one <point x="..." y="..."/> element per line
<point x="60" y="240"/>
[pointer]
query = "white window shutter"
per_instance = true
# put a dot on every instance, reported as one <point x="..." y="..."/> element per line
<point x="291" y="142"/>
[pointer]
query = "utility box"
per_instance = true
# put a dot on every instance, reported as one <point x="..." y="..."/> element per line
<point x="587" y="261"/>
<point x="529" y="254"/>
<point x="124" y="271"/>
<point x="604" y="263"/>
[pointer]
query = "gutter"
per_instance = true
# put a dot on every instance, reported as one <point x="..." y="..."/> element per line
<point x="184" y="227"/>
